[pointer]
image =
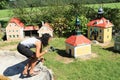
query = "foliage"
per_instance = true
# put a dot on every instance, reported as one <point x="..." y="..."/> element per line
<point x="39" y="3"/>
<point x="114" y="16"/>
<point x="1" y="35"/>
<point x="3" y="4"/>
<point x="84" y="22"/>
<point x="80" y="11"/>
<point x="60" y="26"/>
<point x="28" y="16"/>
<point x="63" y="18"/>
<point x="3" y="23"/>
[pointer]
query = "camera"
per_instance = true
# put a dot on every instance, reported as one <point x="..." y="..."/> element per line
<point x="51" y="48"/>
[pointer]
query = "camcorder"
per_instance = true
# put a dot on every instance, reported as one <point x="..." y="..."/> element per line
<point x="51" y="49"/>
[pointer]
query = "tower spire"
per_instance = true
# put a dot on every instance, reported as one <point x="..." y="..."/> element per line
<point x="100" y="13"/>
<point x="77" y="23"/>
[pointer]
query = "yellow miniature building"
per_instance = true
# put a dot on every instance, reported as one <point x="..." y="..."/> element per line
<point x="78" y="46"/>
<point x="100" y="30"/>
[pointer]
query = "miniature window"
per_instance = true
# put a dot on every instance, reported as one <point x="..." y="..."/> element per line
<point x="117" y="47"/>
<point x="11" y="24"/>
<point x="90" y="29"/>
<point x="100" y="37"/>
<point x="107" y="30"/>
<point x="17" y="36"/>
<point x="10" y="36"/>
<point x="70" y="52"/>
<point x="107" y="36"/>
<point x="13" y="36"/>
<point x="118" y="39"/>
<point x="100" y="30"/>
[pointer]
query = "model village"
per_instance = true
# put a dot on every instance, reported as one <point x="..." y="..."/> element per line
<point x="78" y="45"/>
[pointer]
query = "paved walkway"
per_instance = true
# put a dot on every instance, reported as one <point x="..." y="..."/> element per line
<point x="12" y="64"/>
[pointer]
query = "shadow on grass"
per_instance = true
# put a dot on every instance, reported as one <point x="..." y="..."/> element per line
<point x="112" y="49"/>
<point x="63" y="53"/>
<point x="15" y="69"/>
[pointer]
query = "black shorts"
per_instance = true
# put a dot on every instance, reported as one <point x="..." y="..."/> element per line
<point x="25" y="51"/>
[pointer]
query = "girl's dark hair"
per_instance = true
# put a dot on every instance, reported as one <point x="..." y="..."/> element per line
<point x="45" y="37"/>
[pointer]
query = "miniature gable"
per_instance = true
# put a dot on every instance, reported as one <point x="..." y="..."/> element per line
<point x="46" y="28"/>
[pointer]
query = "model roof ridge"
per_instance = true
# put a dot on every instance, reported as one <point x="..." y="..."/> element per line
<point x="77" y="40"/>
<point x="102" y="22"/>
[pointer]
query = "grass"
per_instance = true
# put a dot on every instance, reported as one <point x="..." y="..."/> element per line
<point x="7" y="43"/>
<point x="5" y="13"/>
<point x="105" y="5"/>
<point x="104" y="67"/>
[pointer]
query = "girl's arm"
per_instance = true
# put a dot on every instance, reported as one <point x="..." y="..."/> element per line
<point x="38" y="47"/>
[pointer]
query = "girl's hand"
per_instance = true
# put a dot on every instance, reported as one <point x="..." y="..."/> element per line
<point x="46" y="51"/>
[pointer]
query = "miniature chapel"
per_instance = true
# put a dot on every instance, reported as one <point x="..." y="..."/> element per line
<point x="100" y="29"/>
<point x="78" y="45"/>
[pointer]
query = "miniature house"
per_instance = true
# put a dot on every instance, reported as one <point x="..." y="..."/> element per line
<point x="14" y="29"/>
<point x="46" y="28"/>
<point x="117" y="42"/>
<point x="31" y="31"/>
<point x="100" y="30"/>
<point x="78" y="45"/>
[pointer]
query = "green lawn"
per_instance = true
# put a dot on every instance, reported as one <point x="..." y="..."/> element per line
<point x="106" y="66"/>
<point x="5" y="14"/>
<point x="105" y="5"/>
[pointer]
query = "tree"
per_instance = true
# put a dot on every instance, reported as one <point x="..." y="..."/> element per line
<point x="3" y="4"/>
<point x="114" y="16"/>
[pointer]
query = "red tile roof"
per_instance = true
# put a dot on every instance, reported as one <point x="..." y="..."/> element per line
<point x="17" y="21"/>
<point x="28" y="28"/>
<point x="102" y="23"/>
<point x="77" y="40"/>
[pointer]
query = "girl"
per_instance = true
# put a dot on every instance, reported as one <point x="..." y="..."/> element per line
<point x="24" y="48"/>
